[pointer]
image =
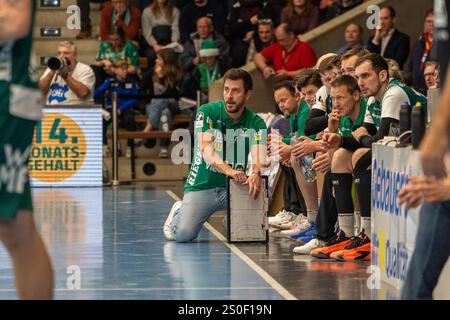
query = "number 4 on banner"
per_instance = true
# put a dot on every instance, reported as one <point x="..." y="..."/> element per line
<point x="62" y="136"/>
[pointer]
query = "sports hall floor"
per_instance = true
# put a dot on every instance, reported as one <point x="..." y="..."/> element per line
<point x="110" y="242"/>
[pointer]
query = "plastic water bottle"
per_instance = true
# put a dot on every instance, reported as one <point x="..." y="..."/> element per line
<point x="308" y="171"/>
<point x="417" y="125"/>
<point x="306" y="162"/>
<point x="405" y="124"/>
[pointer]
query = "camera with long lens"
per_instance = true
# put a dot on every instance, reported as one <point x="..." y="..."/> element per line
<point x="57" y="63"/>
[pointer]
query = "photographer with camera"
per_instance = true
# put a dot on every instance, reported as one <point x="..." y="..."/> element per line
<point x="67" y="81"/>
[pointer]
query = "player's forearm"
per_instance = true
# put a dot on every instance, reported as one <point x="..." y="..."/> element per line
<point x="77" y="87"/>
<point x="44" y="83"/>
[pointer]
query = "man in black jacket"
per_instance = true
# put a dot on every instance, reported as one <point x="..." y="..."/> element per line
<point x="191" y="12"/>
<point x="388" y="41"/>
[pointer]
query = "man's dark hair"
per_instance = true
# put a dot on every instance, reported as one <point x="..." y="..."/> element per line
<point x="378" y="62"/>
<point x="356" y="51"/>
<point x="307" y="77"/>
<point x="429" y="12"/>
<point x="392" y="11"/>
<point x="286" y="84"/>
<point x="329" y="63"/>
<point x="240" y="74"/>
<point x="287" y="27"/>
<point x="348" y="81"/>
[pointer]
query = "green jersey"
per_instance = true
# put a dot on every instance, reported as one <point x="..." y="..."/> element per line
<point x="232" y="142"/>
<point x="297" y="122"/>
<point x="396" y="94"/>
<point x="347" y="126"/>
<point x="19" y="108"/>
<point x="19" y="94"/>
<point x="129" y="53"/>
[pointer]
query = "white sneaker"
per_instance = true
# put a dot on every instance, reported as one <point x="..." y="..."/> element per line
<point x="299" y="220"/>
<point x="275" y="218"/>
<point x="311" y="245"/>
<point x="167" y="230"/>
<point x="297" y="230"/>
<point x="283" y="218"/>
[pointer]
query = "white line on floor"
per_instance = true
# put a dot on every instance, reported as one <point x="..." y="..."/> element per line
<point x="266" y="276"/>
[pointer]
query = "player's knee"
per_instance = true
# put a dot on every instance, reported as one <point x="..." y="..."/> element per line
<point x="361" y="159"/>
<point x="185" y="234"/>
<point x="341" y="160"/>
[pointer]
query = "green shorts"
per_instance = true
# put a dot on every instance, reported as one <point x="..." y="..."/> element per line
<point x="15" y="142"/>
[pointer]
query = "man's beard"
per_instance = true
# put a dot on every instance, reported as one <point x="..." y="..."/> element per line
<point x="235" y="108"/>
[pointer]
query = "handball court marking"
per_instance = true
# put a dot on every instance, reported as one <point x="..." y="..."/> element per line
<point x="260" y="271"/>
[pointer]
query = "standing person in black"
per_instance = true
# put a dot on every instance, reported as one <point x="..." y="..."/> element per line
<point x="388" y="41"/>
<point x="190" y="13"/>
<point x="242" y="22"/>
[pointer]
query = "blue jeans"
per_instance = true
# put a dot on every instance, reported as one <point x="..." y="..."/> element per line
<point x="161" y="107"/>
<point x="197" y="207"/>
<point x="431" y="251"/>
<point x="160" y="112"/>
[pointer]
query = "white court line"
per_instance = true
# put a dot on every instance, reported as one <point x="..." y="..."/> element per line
<point x="263" y="273"/>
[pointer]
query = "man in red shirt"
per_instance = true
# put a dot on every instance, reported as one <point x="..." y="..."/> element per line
<point x="288" y="56"/>
<point x="120" y="15"/>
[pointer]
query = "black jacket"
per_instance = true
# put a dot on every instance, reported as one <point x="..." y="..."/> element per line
<point x="397" y="47"/>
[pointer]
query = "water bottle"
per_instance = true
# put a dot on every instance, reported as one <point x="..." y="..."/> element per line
<point x="405" y="124"/>
<point x="308" y="171"/>
<point x="417" y="125"/>
<point x="306" y="162"/>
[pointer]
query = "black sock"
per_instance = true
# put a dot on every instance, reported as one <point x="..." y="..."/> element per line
<point x="342" y="184"/>
<point x="363" y="182"/>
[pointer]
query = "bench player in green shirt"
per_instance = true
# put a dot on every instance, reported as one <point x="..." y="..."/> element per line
<point x="19" y="109"/>
<point x="372" y="72"/>
<point x="224" y="133"/>
<point x="290" y="102"/>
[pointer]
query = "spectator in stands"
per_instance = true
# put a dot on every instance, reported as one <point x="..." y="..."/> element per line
<point x="162" y="84"/>
<point x="190" y="57"/>
<point x="330" y="9"/>
<point x="127" y="89"/>
<point x="288" y="56"/>
<point x="120" y="14"/>
<point x="388" y="41"/>
<point x="86" y="26"/>
<point x="73" y="84"/>
<point x="302" y="15"/>
<point x="420" y="53"/>
<point x="117" y="48"/>
<point x="353" y="38"/>
<point x="159" y="27"/>
<point x="209" y="70"/>
<point x="261" y="39"/>
<point x="394" y="70"/>
<point x="193" y="11"/>
<point x="431" y="74"/>
<point x="242" y="22"/>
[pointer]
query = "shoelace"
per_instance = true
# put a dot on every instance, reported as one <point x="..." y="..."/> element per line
<point x="356" y="241"/>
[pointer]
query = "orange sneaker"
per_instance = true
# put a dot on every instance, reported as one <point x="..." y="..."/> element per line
<point x="336" y="243"/>
<point x="358" y="249"/>
<point x="359" y="253"/>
